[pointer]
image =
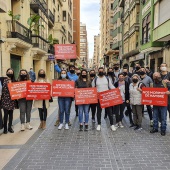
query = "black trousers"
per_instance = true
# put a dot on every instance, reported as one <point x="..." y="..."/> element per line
<point x="43" y="112"/>
<point x="129" y="113"/>
<point x="119" y="109"/>
<point x="8" y="113"/>
<point x="93" y="110"/>
<point x="109" y="113"/>
<point x="149" y="109"/>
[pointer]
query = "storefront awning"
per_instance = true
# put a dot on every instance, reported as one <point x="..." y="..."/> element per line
<point x="112" y="52"/>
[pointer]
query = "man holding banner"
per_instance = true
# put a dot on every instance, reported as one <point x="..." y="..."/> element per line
<point x="102" y="83"/>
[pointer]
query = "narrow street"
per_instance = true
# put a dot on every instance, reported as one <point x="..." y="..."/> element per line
<point x="124" y="149"/>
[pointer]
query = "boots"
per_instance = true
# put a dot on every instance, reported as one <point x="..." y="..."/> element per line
<point x="44" y="125"/>
<point x="41" y="125"/>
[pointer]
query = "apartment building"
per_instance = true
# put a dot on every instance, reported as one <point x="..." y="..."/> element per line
<point x="83" y="46"/>
<point x="96" y="54"/>
<point x="25" y="46"/>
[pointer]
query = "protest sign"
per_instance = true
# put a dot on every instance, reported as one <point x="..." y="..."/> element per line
<point x="110" y="98"/>
<point x="86" y="96"/>
<point x="154" y="96"/>
<point x="63" y="88"/>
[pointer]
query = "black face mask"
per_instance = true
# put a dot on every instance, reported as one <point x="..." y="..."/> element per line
<point x="110" y="73"/>
<point x="9" y="75"/>
<point x="101" y="73"/>
<point x="72" y="71"/>
<point x="42" y="75"/>
<point x="137" y="68"/>
<point x="125" y="73"/>
<point x="135" y="80"/>
<point x="84" y="76"/>
<point x="78" y="74"/>
<point x="142" y="73"/>
<point x="92" y="75"/>
<point x="23" y="76"/>
<point x="116" y="68"/>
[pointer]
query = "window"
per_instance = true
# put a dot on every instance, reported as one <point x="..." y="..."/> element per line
<point x="146" y="29"/>
<point x="64" y="15"/>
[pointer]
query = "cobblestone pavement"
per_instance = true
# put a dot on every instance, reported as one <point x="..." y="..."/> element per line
<point x="124" y="149"/>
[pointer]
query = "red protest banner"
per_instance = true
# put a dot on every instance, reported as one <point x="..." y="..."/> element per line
<point x="110" y="98"/>
<point x="63" y="88"/>
<point x="154" y="96"/>
<point x="86" y="96"/>
<point x="18" y="89"/>
<point x="38" y="91"/>
<point x="65" y="51"/>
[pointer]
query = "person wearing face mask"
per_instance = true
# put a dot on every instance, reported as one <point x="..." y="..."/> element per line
<point x="25" y="106"/>
<point x="92" y="74"/>
<point x="159" y="111"/>
<point x="147" y="81"/>
<point x="78" y="72"/>
<point x="137" y="69"/>
<point x="124" y="91"/>
<point x="116" y="71"/>
<point x="135" y="90"/>
<point x="102" y="83"/>
<point x="64" y="104"/>
<point x="83" y="82"/>
<point x="71" y="74"/>
<point x="42" y="105"/>
<point x="8" y="105"/>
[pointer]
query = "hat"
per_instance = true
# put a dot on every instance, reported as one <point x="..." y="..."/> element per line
<point x="136" y="76"/>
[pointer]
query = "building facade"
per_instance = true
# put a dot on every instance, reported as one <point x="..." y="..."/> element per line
<point x="83" y="46"/>
<point x="96" y="54"/>
<point x="28" y="46"/>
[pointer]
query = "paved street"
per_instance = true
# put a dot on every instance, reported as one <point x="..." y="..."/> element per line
<point x="124" y="149"/>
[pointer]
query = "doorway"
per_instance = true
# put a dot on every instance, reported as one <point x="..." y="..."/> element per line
<point x="16" y="64"/>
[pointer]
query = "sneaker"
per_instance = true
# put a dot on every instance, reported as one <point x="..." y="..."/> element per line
<point x="66" y="126"/>
<point x="28" y="126"/>
<point x="132" y="125"/>
<point x="136" y="128"/>
<point x="117" y="125"/>
<point x="163" y="133"/>
<point x="81" y="128"/>
<point x="113" y="128"/>
<point x="120" y="125"/>
<point x="93" y="121"/>
<point x="154" y="131"/>
<point x="86" y="128"/>
<point x="69" y="123"/>
<point x="22" y="127"/>
<point x="57" y="123"/>
<point x="98" y="127"/>
<point x="151" y="123"/>
<point x="60" y="126"/>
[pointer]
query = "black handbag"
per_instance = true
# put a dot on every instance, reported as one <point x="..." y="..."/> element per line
<point x="51" y="100"/>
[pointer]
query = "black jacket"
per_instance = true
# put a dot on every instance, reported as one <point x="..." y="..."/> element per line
<point x="126" y="89"/>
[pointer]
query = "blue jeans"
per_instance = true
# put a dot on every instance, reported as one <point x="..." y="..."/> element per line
<point x="162" y="112"/>
<point x="83" y="108"/>
<point x="64" y="107"/>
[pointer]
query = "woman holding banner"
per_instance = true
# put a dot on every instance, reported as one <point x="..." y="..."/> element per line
<point x="42" y="105"/>
<point x="8" y="105"/>
<point x="64" y="104"/>
<point x="25" y="106"/>
<point x="83" y="82"/>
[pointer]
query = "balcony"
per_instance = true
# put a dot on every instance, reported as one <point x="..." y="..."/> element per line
<point x="39" y="42"/>
<point x="51" y="18"/>
<point x="17" y="30"/>
<point x="121" y="3"/>
<point x="39" y="4"/>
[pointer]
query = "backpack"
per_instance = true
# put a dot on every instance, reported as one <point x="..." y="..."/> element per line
<point x="95" y="80"/>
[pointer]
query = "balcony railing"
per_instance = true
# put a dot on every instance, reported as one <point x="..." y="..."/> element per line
<point x="51" y="16"/>
<point x="17" y="30"/>
<point x="39" y="42"/>
<point x="36" y="4"/>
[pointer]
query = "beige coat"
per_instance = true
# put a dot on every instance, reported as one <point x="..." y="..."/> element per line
<point x="39" y="103"/>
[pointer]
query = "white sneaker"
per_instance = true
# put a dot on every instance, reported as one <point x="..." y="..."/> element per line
<point x="28" y="126"/>
<point x="66" y="126"/>
<point x="22" y="127"/>
<point x="120" y="125"/>
<point x="117" y="125"/>
<point x="98" y="127"/>
<point x="113" y="128"/>
<point x="60" y="126"/>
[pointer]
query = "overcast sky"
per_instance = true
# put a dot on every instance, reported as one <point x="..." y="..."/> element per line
<point x="89" y="15"/>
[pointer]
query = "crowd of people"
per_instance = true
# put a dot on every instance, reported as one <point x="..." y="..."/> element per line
<point x="129" y="84"/>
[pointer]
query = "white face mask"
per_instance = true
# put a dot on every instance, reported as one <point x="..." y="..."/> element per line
<point x="163" y="68"/>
